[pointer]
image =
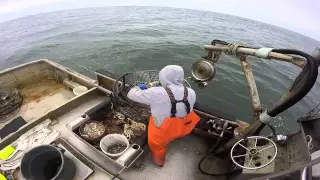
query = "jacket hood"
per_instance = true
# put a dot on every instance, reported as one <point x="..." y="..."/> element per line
<point x="171" y="75"/>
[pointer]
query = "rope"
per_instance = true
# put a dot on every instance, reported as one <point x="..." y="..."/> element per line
<point x="233" y="49"/>
<point x="84" y="67"/>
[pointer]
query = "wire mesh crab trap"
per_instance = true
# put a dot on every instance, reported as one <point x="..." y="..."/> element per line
<point x="10" y="102"/>
<point x="122" y="86"/>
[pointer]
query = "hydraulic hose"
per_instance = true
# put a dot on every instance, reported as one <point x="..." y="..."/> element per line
<point x="217" y="41"/>
<point x="304" y="82"/>
<point x="300" y="87"/>
<point x="213" y="174"/>
<point x="273" y="130"/>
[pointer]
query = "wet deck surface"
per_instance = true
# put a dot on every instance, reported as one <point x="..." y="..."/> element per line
<point x="182" y="157"/>
<point x="40" y="98"/>
<point x="182" y="160"/>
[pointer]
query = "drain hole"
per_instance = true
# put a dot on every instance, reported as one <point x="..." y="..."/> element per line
<point x="269" y="157"/>
<point x="84" y="116"/>
<point x="135" y="146"/>
<point x="257" y="164"/>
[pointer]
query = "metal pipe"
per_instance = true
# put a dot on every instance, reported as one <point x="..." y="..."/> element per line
<point x="250" y="51"/>
<point x="247" y="69"/>
<point x="304" y="174"/>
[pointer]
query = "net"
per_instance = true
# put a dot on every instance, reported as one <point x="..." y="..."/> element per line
<point x="147" y="77"/>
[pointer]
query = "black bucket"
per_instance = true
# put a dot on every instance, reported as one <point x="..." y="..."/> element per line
<point x="47" y="163"/>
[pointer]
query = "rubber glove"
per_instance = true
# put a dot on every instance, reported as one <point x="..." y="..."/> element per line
<point x="142" y="86"/>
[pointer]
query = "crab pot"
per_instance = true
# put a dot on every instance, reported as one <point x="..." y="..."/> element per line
<point x="47" y="163"/>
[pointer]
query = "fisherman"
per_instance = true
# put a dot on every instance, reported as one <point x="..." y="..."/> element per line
<point x="172" y="113"/>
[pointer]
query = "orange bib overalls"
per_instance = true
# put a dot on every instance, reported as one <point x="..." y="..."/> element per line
<point x="170" y="129"/>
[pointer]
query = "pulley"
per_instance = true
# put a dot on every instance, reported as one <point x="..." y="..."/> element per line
<point x="203" y="71"/>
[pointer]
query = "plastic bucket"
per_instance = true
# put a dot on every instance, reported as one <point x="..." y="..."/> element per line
<point x="113" y="139"/>
<point x="86" y="135"/>
<point x="47" y="163"/>
<point x="79" y="90"/>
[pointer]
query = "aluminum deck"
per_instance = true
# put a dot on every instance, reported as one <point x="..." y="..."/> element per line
<point x="41" y="98"/>
<point x="45" y="98"/>
<point x="182" y="157"/>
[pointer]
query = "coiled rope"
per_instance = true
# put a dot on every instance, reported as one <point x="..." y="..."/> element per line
<point x="10" y="103"/>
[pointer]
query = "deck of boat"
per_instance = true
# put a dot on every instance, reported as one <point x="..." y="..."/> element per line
<point x="182" y="161"/>
<point x="40" y="98"/>
<point x="46" y="98"/>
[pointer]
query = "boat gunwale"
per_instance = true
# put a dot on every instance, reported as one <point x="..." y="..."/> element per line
<point x="70" y="104"/>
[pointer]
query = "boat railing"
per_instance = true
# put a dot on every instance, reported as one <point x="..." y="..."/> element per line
<point x="233" y="49"/>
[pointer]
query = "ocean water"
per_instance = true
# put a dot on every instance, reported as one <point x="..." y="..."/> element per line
<point x="121" y="39"/>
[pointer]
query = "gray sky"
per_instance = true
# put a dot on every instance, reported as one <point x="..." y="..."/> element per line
<point x="301" y="16"/>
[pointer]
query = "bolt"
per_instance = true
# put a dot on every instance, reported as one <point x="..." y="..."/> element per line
<point x="141" y="167"/>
